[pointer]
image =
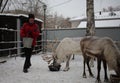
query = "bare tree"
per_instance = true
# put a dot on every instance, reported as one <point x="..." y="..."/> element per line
<point x="111" y="9"/>
<point x="57" y="21"/>
<point x="1" y="4"/>
<point x="118" y="8"/>
<point x="26" y="6"/>
<point x="4" y="5"/>
<point x="90" y="18"/>
<point x="36" y="7"/>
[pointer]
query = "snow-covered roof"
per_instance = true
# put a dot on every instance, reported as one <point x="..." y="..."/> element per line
<point x="102" y="23"/>
<point x="105" y="19"/>
<point x="103" y="15"/>
<point x="107" y="15"/>
<point x="77" y="18"/>
<point x="18" y="15"/>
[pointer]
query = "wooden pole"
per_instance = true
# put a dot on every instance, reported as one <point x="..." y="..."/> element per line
<point x="90" y="30"/>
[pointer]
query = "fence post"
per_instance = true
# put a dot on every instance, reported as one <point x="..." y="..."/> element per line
<point x="43" y="41"/>
<point x="18" y="36"/>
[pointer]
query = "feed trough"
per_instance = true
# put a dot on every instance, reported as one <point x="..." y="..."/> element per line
<point x="114" y="78"/>
<point x="54" y="68"/>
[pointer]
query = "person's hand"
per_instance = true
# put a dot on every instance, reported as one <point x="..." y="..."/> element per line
<point x="29" y="34"/>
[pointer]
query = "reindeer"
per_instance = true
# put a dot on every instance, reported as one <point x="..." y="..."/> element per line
<point x="66" y="48"/>
<point x="105" y="50"/>
<point x="63" y="52"/>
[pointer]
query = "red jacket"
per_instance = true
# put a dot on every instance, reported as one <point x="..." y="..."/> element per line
<point x="30" y="30"/>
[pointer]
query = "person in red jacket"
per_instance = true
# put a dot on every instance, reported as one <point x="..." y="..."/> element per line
<point x="30" y="30"/>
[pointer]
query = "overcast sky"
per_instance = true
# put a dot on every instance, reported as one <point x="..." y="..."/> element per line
<point x="75" y="8"/>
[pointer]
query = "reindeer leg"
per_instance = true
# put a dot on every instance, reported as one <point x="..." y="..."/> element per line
<point x="67" y="63"/>
<point x="73" y="57"/>
<point x="99" y="68"/>
<point x="84" y="73"/>
<point x="105" y="70"/>
<point x="90" y="72"/>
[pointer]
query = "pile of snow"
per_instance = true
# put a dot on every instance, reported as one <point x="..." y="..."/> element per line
<point x="11" y="72"/>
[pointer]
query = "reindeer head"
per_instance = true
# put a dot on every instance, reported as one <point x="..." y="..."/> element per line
<point x="52" y="60"/>
<point x="54" y="66"/>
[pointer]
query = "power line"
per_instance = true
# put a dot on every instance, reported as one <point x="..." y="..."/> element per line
<point x="12" y="2"/>
<point x="42" y="2"/>
<point x="61" y="3"/>
<point x="4" y="6"/>
<point x="21" y="4"/>
<point x="17" y="1"/>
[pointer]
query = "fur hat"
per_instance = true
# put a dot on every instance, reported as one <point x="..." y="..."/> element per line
<point x="31" y="16"/>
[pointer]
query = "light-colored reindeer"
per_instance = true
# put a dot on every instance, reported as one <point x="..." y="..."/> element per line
<point x="65" y="49"/>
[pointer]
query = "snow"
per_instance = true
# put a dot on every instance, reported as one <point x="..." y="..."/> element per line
<point x="102" y="23"/>
<point x="104" y="15"/>
<point x="101" y="20"/>
<point x="18" y="15"/>
<point x="78" y="18"/>
<point x="11" y="72"/>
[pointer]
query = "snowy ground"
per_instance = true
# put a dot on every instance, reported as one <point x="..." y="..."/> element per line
<point x="11" y="72"/>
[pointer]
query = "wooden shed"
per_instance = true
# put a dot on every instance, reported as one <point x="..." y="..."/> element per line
<point x="10" y="25"/>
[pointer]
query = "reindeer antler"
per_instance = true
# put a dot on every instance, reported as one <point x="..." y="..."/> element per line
<point x="54" y="44"/>
<point x="51" y="46"/>
<point x="47" y="58"/>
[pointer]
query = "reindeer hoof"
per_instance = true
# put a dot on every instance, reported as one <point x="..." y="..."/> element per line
<point x="92" y="75"/>
<point x="66" y="69"/>
<point x="106" y="81"/>
<point x="98" y="81"/>
<point x="84" y="76"/>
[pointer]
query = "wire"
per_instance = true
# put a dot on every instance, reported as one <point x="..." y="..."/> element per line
<point x="42" y="2"/>
<point x="61" y="3"/>
<point x="4" y="6"/>
<point x="12" y="2"/>
<point x="21" y="4"/>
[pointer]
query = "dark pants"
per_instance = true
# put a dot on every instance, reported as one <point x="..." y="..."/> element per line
<point x="28" y="54"/>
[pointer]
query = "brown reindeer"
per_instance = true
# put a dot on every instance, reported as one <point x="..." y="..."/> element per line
<point x="105" y="50"/>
